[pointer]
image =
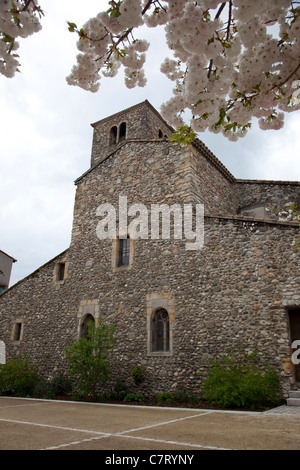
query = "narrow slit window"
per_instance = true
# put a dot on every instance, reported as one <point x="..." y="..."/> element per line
<point x="61" y="271"/>
<point x="17" y="331"/>
<point x="124" y="251"/>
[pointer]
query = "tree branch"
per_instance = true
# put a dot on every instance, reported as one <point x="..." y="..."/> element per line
<point x="287" y="79"/>
<point x="229" y="20"/>
<point x="220" y="10"/>
<point x="25" y="7"/>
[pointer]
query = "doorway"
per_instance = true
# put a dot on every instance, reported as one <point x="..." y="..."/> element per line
<point x="294" y="320"/>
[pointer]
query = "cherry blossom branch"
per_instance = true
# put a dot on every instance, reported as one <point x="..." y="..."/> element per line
<point x="229" y="20"/>
<point x="287" y="79"/>
<point x="25" y="7"/>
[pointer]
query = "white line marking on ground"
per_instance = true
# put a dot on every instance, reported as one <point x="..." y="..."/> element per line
<point x="161" y="408"/>
<point x="149" y="439"/>
<point x="17" y="406"/>
<point x="122" y="434"/>
<point x="187" y="444"/>
<point x="63" y="428"/>
<point x="101" y="435"/>
<point x="165" y="422"/>
<point x="74" y="443"/>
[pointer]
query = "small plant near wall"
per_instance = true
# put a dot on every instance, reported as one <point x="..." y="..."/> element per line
<point x="134" y="397"/>
<point x="139" y="373"/>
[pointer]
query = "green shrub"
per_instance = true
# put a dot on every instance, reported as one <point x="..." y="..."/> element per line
<point x="164" y="397"/>
<point x="88" y="358"/>
<point x="182" y="395"/>
<point x="59" y="385"/>
<point x="241" y="381"/>
<point x="139" y="397"/>
<point x="18" y="377"/>
<point x="138" y="374"/>
<point x="119" y="391"/>
<point x="43" y="389"/>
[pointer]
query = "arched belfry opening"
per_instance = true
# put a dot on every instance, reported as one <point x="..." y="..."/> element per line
<point x="122" y="131"/>
<point x="113" y="135"/>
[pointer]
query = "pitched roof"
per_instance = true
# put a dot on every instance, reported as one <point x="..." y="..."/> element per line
<point x="14" y="260"/>
<point x="132" y="108"/>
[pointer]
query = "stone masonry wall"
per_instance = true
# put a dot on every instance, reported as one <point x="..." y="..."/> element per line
<point x="44" y="307"/>
<point x="211" y="187"/>
<point x="270" y="195"/>
<point x="234" y="292"/>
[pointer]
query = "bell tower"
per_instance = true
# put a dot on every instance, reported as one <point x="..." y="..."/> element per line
<point x="139" y="122"/>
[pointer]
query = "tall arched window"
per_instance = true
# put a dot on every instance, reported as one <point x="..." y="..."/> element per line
<point x="113" y="135"/>
<point x="160" y="331"/>
<point x="84" y="326"/>
<point x="122" y="132"/>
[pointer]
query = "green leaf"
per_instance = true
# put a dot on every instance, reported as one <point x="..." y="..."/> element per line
<point x="184" y="135"/>
<point x="72" y="26"/>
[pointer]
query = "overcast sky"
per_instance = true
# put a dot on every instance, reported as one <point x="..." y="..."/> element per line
<point x="46" y="136"/>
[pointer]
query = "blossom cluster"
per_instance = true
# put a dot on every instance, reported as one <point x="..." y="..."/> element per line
<point x="18" y="18"/>
<point x="230" y="61"/>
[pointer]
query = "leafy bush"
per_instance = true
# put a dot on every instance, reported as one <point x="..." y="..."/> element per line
<point x="139" y="397"/>
<point x="119" y="391"/>
<point x="59" y="385"/>
<point x="164" y="397"/>
<point x="138" y="374"/>
<point x="18" y="377"/>
<point x="43" y="389"/>
<point x="242" y="380"/>
<point x="88" y="361"/>
<point x="182" y="395"/>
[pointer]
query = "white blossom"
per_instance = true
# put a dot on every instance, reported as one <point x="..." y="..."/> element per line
<point x="231" y="61"/>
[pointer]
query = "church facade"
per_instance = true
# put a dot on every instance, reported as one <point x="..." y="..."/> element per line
<point x="175" y="305"/>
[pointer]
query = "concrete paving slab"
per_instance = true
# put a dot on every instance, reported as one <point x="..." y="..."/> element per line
<point x="20" y="436"/>
<point x="45" y="424"/>
<point x="92" y="417"/>
<point x="232" y="431"/>
<point x="126" y="443"/>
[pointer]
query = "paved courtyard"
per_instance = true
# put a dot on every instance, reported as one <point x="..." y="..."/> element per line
<point x="27" y="424"/>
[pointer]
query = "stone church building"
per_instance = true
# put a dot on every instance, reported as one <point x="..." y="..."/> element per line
<point x="174" y="308"/>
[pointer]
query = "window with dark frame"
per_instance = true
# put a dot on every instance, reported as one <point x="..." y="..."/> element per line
<point x="124" y="251"/>
<point x="160" y="330"/>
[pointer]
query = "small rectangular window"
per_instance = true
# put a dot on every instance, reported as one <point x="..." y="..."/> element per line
<point x="61" y="271"/>
<point x="17" y="331"/>
<point x="124" y="249"/>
